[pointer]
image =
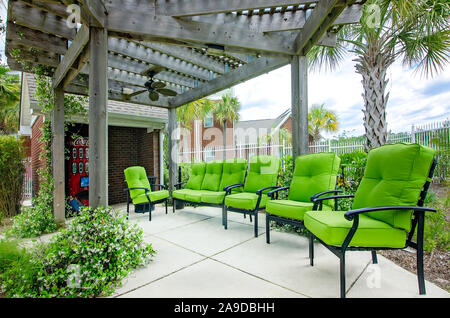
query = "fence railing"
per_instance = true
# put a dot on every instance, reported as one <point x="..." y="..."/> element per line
<point x="435" y="135"/>
<point x="27" y="180"/>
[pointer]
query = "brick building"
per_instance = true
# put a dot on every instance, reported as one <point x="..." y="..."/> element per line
<point x="134" y="138"/>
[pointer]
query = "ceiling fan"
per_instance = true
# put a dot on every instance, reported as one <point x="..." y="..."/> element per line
<point x="153" y="87"/>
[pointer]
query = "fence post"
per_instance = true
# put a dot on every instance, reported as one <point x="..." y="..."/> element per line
<point x="413" y="134"/>
<point x="329" y="145"/>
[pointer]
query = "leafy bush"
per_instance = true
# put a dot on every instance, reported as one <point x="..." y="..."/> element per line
<point x="286" y="173"/>
<point x="11" y="172"/>
<point x="436" y="233"/>
<point x="88" y="259"/>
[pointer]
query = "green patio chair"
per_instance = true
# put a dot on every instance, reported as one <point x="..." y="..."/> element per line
<point x="195" y="182"/>
<point x="387" y="208"/>
<point x="262" y="177"/>
<point x="140" y="191"/>
<point x="314" y="176"/>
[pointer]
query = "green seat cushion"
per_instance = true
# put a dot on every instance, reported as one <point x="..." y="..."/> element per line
<point x="181" y="193"/>
<point x="213" y="176"/>
<point x="233" y="173"/>
<point x="213" y="197"/>
<point x="290" y="209"/>
<point x="154" y="196"/>
<point x="313" y="173"/>
<point x="136" y="177"/>
<point x="332" y="228"/>
<point x="263" y="172"/>
<point x="394" y="175"/>
<point x="197" y="174"/>
<point x="245" y="200"/>
<point x="194" y="196"/>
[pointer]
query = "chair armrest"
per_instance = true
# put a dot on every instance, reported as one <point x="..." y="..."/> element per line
<point x="138" y="188"/>
<point x="233" y="186"/>
<point x="260" y="191"/>
<point x="271" y="193"/>
<point x="342" y="196"/>
<point x="325" y="192"/>
<point x="349" y="215"/>
<point x="179" y="184"/>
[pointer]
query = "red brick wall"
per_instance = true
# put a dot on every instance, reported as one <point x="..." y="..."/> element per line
<point x="126" y="147"/>
<point x="36" y="149"/>
<point x="130" y="147"/>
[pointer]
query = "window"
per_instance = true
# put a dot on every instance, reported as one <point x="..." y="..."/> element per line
<point x="210" y="155"/>
<point x="208" y="121"/>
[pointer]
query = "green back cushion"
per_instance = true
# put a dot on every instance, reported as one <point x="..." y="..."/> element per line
<point x="263" y="172"/>
<point x="197" y="174"/>
<point x="313" y="173"/>
<point x="233" y="172"/>
<point x="213" y="175"/>
<point x="136" y="177"/>
<point x="394" y="175"/>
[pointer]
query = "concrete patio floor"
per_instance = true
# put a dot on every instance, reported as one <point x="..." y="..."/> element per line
<point x="197" y="258"/>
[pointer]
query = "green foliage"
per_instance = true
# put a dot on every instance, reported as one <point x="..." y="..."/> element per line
<point x="286" y="173"/>
<point x="11" y="172"/>
<point x="9" y="101"/>
<point x="89" y="258"/>
<point x="436" y="233"/>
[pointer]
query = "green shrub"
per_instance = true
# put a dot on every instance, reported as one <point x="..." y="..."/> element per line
<point x="11" y="172"/>
<point x="89" y="258"/>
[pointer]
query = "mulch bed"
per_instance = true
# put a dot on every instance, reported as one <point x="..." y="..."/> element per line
<point x="437" y="265"/>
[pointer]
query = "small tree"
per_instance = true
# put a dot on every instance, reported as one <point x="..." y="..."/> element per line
<point x="320" y="119"/>
<point x="227" y="110"/>
<point x="11" y="172"/>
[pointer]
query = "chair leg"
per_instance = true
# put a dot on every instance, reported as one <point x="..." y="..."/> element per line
<point x="166" y="206"/>
<point x="311" y="249"/>
<point x="420" y="270"/>
<point x="128" y="209"/>
<point x="267" y="228"/>
<point x="225" y="217"/>
<point x="150" y="215"/>
<point x="250" y="218"/>
<point x="173" y="205"/>
<point x="256" y="224"/>
<point x="342" y="272"/>
<point x="374" y="257"/>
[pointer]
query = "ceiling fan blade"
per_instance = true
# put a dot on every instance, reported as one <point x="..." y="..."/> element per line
<point x="152" y="71"/>
<point x="167" y="92"/>
<point x="154" y="96"/>
<point x="158" y="85"/>
<point x="136" y="93"/>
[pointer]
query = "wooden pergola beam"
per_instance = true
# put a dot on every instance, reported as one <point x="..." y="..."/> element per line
<point x="96" y="11"/>
<point x="202" y="7"/>
<point x="145" y="24"/>
<point x="74" y="51"/>
<point x="322" y="17"/>
<point x="253" y="69"/>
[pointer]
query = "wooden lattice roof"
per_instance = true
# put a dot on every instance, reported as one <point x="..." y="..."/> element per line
<point x="203" y="46"/>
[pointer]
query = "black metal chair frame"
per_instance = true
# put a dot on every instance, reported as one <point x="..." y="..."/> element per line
<point x="293" y="222"/>
<point x="150" y="202"/>
<point x="353" y="215"/>
<point x="253" y="212"/>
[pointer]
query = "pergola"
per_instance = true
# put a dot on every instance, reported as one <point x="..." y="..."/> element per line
<point x="203" y="47"/>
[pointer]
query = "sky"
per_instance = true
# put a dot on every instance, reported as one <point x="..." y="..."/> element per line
<point x="413" y="99"/>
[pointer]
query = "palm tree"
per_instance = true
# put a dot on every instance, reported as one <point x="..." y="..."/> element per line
<point x="319" y="119"/>
<point x="226" y="110"/>
<point x="9" y="101"/>
<point x="416" y="31"/>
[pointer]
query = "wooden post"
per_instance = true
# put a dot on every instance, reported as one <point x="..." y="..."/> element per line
<point x="98" y="118"/>
<point x="173" y="148"/>
<point x="59" y="195"/>
<point x="299" y="87"/>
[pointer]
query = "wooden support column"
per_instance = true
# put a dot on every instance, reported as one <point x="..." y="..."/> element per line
<point x="173" y="148"/>
<point x="299" y="87"/>
<point x="59" y="195"/>
<point x="98" y="117"/>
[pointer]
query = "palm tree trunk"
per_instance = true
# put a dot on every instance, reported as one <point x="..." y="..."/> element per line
<point x="224" y="140"/>
<point x="372" y="64"/>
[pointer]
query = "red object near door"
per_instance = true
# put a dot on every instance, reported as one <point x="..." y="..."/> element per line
<point x="78" y="176"/>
